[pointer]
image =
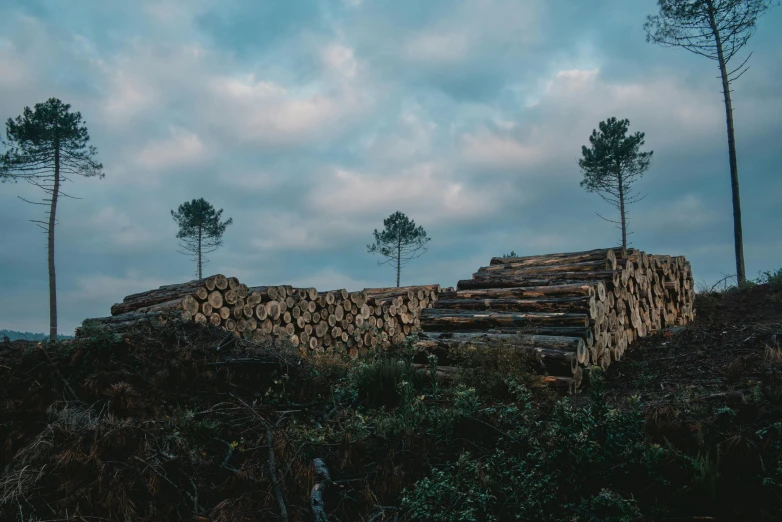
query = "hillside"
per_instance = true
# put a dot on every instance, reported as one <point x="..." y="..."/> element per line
<point x="13" y="335"/>
<point x="182" y="422"/>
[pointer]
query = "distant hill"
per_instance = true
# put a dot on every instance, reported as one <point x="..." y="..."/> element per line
<point x="27" y="336"/>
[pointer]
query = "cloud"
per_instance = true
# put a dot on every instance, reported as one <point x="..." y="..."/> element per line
<point x="409" y="138"/>
<point x="182" y="148"/>
<point x="488" y="149"/>
<point x="340" y="59"/>
<point x="101" y="287"/>
<point x="266" y="114"/>
<point x="331" y="279"/>
<point x="128" y="97"/>
<point x="687" y="213"/>
<point x="121" y="229"/>
<point x="427" y="190"/>
<point x="13" y="72"/>
<point x="428" y="47"/>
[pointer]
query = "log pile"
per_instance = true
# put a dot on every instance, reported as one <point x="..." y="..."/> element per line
<point x="574" y="309"/>
<point x="335" y="321"/>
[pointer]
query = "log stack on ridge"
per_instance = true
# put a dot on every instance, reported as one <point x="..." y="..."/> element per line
<point x="574" y="309"/>
<point x="331" y="321"/>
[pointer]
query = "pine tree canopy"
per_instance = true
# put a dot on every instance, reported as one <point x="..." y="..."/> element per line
<point x="614" y="156"/>
<point x="46" y="136"/>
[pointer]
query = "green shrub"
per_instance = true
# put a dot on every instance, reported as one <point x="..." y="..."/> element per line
<point x="773" y="279"/>
<point x="489" y="368"/>
<point x="609" y="506"/>
<point x="497" y="487"/>
<point x="376" y="381"/>
<point x="553" y="467"/>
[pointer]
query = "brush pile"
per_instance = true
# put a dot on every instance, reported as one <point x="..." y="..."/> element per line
<point x="335" y="321"/>
<point x="574" y="309"/>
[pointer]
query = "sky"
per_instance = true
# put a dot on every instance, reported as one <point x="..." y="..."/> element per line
<point x="310" y="121"/>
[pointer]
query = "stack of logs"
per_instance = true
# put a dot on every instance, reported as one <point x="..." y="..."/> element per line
<point x="574" y="309"/>
<point x="332" y="321"/>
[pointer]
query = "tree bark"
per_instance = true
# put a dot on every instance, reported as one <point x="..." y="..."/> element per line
<point x="398" y="260"/>
<point x="52" y="222"/>
<point x="521" y="268"/>
<point x="200" y="240"/>
<point x="322" y="480"/>
<point x="563" y="257"/>
<point x="549" y="273"/>
<point x="509" y="280"/>
<point x="620" y="181"/>
<point x="444" y="342"/>
<point x="566" y="304"/>
<point x="587" y="289"/>
<point x="434" y="319"/>
<point x="734" y="169"/>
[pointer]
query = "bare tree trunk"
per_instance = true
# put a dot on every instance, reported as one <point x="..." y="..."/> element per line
<point x="398" y="261"/>
<point x="622" y="209"/>
<point x="52" y="221"/>
<point x="200" y="240"/>
<point x="734" y="169"/>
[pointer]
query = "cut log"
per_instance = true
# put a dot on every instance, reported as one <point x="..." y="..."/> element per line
<point x="230" y="296"/>
<point x="531" y="270"/>
<point x="442" y="342"/>
<point x="514" y="282"/>
<point x="521" y="274"/>
<point x="161" y="295"/>
<point x="181" y="288"/>
<point x="433" y="319"/>
<point x="555" y="331"/>
<point x="221" y="282"/>
<point x="565" y="304"/>
<point x="534" y="292"/>
<point x="273" y="310"/>
<point x="586" y="255"/>
<point x="216" y="298"/>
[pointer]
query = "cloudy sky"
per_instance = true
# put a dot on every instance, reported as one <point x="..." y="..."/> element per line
<point x="310" y="121"/>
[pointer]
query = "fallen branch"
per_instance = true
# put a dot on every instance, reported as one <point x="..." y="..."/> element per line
<point x="322" y="479"/>
<point x="244" y="362"/>
<point x="273" y="476"/>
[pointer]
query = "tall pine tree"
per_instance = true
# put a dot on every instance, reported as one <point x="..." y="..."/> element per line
<point x="717" y="30"/>
<point x="46" y="145"/>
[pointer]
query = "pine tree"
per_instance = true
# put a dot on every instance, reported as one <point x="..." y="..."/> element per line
<point x="46" y="145"/>
<point x="717" y="30"/>
<point x="612" y="165"/>
<point x="400" y="241"/>
<point x="200" y="230"/>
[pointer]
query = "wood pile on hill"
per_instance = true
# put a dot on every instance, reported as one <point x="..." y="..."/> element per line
<point x="575" y="309"/>
<point x="332" y="321"/>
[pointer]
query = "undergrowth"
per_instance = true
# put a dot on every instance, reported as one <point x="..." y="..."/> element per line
<point x="167" y="427"/>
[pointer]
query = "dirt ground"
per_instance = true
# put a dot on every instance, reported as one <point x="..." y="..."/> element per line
<point x="724" y="350"/>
